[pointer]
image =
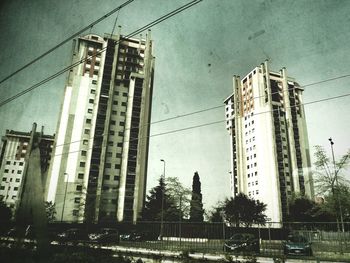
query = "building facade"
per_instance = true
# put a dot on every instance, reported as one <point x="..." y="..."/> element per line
<point x="15" y="148"/>
<point x="270" y="156"/>
<point x="100" y="166"/>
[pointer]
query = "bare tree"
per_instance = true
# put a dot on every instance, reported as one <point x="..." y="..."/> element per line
<point x="330" y="183"/>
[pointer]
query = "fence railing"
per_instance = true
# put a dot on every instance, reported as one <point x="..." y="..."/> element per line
<point x="326" y="240"/>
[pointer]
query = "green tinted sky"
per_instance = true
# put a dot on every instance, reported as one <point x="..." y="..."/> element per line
<point x="197" y="52"/>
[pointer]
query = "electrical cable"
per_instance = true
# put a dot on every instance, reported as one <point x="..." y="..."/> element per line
<point x="90" y="26"/>
<point x="208" y="123"/>
<point x="136" y="32"/>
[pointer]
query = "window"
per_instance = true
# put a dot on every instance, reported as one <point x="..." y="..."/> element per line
<point x="9" y="162"/>
<point x="124" y="104"/>
<point x="117" y="166"/>
<point x="20" y="163"/>
<point x="115" y="102"/>
<point x="88" y="121"/>
<point x="256" y="182"/>
<point x="94" y="81"/>
<point x="75" y="212"/>
<point x="111" y="132"/>
<point x="118" y="155"/>
<point x="89" y="110"/>
<point x="121" y="133"/>
<point x="125" y="94"/>
<point x="2" y="187"/>
<point x="6" y="170"/>
<point x="91" y="101"/>
<point x="256" y="173"/>
<point x="119" y="144"/>
<point x="247" y="166"/>
<point x="122" y="123"/>
<point x="82" y="164"/>
<point x="108" y="165"/>
<point x="122" y="113"/>
<point x="85" y="142"/>
<point x="79" y="188"/>
<point x="92" y="91"/>
<point x="116" y="178"/>
<point x="106" y="177"/>
<point x="110" y="143"/>
<point x="87" y="131"/>
<point x="114" y="112"/>
<point x="112" y="122"/>
<point x="257" y="192"/>
<point x="109" y="154"/>
<point x="4" y="179"/>
<point x="80" y="176"/>
<point x="15" y="188"/>
<point x="77" y="200"/>
<point x="83" y="153"/>
<point x="255" y="164"/>
<point x="19" y="172"/>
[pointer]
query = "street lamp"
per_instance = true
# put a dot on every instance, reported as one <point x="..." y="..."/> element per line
<point x="162" y="212"/>
<point x="336" y="181"/>
<point x="65" y="193"/>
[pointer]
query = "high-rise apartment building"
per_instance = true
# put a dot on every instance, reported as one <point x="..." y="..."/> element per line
<point x="270" y="156"/>
<point x="14" y="161"/>
<point x="99" y="168"/>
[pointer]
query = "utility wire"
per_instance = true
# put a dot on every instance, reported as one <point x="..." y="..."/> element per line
<point x="220" y="121"/>
<point x="195" y="112"/>
<point x="204" y="124"/>
<point x="136" y="32"/>
<point x="90" y="26"/>
<point x="201" y="111"/>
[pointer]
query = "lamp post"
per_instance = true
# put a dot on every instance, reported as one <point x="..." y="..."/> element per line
<point x="65" y="193"/>
<point x="162" y="212"/>
<point x="336" y="182"/>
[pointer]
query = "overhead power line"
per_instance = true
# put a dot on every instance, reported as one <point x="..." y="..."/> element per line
<point x="212" y="108"/>
<point x="198" y="125"/>
<point x="66" y="40"/>
<point x="136" y="32"/>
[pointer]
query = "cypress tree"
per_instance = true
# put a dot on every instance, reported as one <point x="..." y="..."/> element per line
<point x="196" y="209"/>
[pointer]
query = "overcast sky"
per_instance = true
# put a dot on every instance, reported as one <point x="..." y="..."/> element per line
<point x="197" y="53"/>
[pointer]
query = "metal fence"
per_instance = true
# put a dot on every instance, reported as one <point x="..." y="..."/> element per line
<point x="325" y="238"/>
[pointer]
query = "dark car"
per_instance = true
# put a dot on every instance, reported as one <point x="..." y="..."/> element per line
<point x="297" y="245"/>
<point x="242" y="243"/>
<point x="137" y="236"/>
<point x="72" y="235"/>
<point x="105" y="235"/>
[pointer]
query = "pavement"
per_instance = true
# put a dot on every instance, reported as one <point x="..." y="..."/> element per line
<point x="206" y="256"/>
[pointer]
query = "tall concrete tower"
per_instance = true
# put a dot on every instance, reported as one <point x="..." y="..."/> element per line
<point x="270" y="156"/>
<point x="99" y="168"/>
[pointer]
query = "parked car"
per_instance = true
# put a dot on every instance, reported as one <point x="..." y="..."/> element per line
<point x="136" y="236"/>
<point x="297" y="245"/>
<point x="72" y="235"/>
<point x="105" y="235"/>
<point x="243" y="242"/>
<point x="27" y="232"/>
